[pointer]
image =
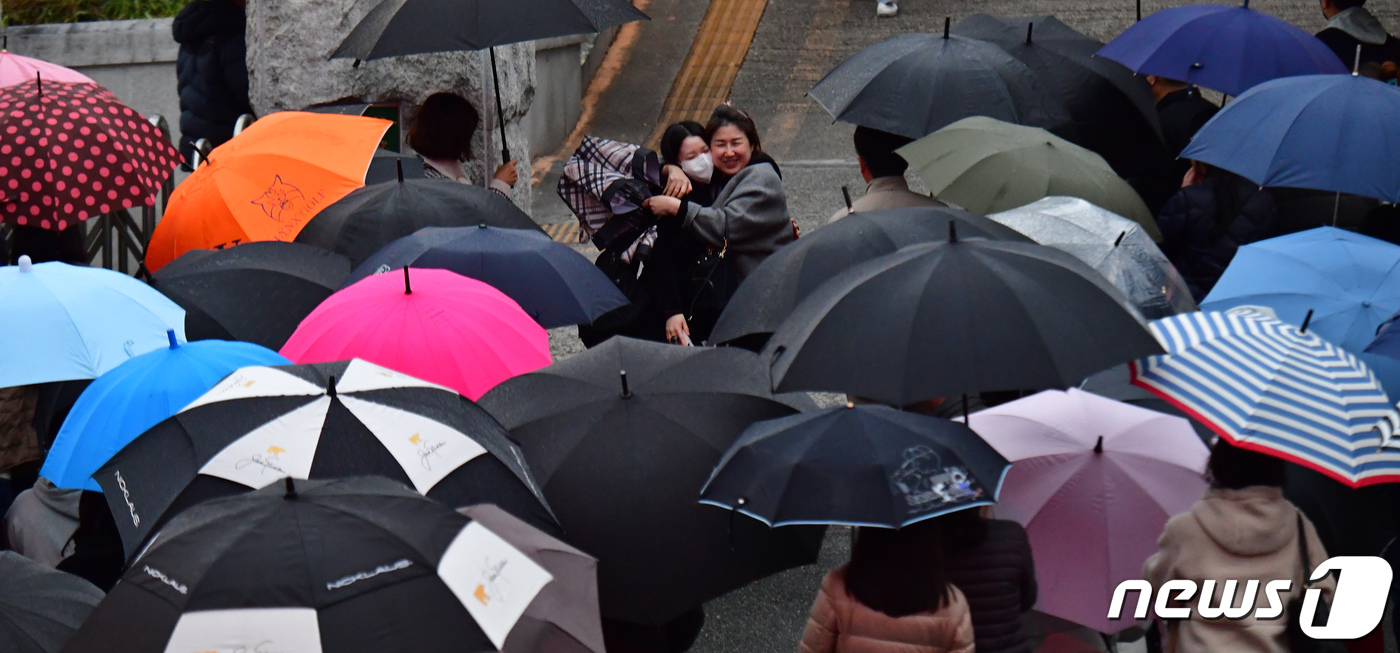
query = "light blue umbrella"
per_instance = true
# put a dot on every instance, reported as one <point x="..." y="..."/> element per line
<point x="123" y="403"/>
<point x="1349" y="282"/>
<point x="60" y="322"/>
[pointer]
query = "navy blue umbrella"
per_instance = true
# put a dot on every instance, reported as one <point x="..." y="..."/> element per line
<point x="554" y="284"/>
<point x="1336" y="133"/>
<point x="1229" y="49"/>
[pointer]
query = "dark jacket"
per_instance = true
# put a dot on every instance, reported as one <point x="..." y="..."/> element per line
<point x="1356" y="26"/>
<point x="211" y="70"/>
<point x="1182" y="114"/>
<point x="1200" y="241"/>
<point x="997" y="576"/>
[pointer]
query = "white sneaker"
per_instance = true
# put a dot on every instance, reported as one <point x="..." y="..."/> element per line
<point x="886" y="9"/>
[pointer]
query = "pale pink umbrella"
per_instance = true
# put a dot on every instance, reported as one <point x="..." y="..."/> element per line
<point x="1093" y="480"/>
<point x="436" y="325"/>
<point x="15" y="69"/>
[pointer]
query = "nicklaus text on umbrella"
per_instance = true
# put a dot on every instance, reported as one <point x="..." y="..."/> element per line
<point x="1357" y="605"/>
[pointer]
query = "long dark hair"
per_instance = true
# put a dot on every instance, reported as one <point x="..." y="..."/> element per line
<point x="725" y="115"/>
<point x="444" y="128"/>
<point x="1236" y="468"/>
<point x="675" y="136"/>
<point x="899" y="572"/>
<point x="961" y="530"/>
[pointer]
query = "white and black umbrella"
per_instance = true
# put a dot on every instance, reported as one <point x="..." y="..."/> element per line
<point x="344" y="566"/>
<point x="326" y="420"/>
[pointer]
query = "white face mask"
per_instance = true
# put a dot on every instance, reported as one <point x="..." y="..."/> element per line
<point x="700" y="168"/>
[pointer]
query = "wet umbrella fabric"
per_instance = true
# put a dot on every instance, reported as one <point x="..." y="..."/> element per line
<point x="1347" y="281"/>
<point x="855" y="465"/>
<point x="1117" y="383"/>
<point x="986" y="166"/>
<point x="63" y="322"/>
<point x="255" y="292"/>
<point x="1115" y="246"/>
<point x="771" y="292"/>
<point x="370" y="218"/>
<point x="988" y="315"/>
<point x="1229" y="49"/>
<point x="15" y="69"/>
<point x="1324" y="132"/>
<point x="135" y="396"/>
<point x="631" y="460"/>
<point x="553" y="284"/>
<point x="330" y="420"/>
<point x="914" y="84"/>
<point x="387" y="166"/>
<point x="343" y="566"/>
<point x="41" y="607"/>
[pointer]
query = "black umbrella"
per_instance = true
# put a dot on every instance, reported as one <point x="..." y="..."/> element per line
<point x="623" y="437"/>
<point x="954" y="318"/>
<point x="327" y="420"/>
<point x="915" y="84"/>
<point x="344" y="566"/>
<point x="257" y="292"/>
<point x="40" y="607"/>
<point x="770" y="293"/>
<point x="866" y="465"/>
<point x="388" y="166"/>
<point x="554" y="284"/>
<point x="369" y="218"/>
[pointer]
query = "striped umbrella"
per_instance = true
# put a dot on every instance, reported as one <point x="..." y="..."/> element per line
<point x="1272" y="387"/>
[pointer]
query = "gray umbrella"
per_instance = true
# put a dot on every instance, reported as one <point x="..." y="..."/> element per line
<point x="40" y="607"/>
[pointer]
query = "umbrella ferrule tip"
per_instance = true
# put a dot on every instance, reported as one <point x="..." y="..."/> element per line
<point x="26" y="264"/>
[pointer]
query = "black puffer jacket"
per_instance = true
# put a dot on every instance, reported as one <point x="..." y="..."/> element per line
<point x="1200" y="241"/>
<point x="997" y="576"/>
<point x="212" y="71"/>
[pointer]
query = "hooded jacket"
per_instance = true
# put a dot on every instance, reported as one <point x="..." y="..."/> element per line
<point x="1244" y="534"/>
<point x="1357" y="26"/>
<point x="212" y="74"/>
<point x="751" y="209"/>
<point x="841" y="624"/>
<point x="40" y="522"/>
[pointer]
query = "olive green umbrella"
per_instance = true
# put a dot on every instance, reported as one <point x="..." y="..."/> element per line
<point x="986" y="165"/>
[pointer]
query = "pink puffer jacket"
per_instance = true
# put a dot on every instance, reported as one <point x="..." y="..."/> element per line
<point x="841" y="624"/>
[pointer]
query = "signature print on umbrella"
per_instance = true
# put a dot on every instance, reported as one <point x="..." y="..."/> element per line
<point x="426" y="450"/>
<point x="270" y="461"/>
<point x="926" y="484"/>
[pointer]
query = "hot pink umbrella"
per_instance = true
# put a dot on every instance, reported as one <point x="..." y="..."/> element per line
<point x="15" y="69"/>
<point x="1093" y="480"/>
<point x="433" y="324"/>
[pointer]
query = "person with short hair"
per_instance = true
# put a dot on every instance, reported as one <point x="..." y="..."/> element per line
<point x="1350" y="24"/>
<point x="442" y="136"/>
<point x="883" y="171"/>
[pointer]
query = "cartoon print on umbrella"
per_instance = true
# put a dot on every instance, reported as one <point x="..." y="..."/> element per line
<point x="279" y="197"/>
<point x="927" y="485"/>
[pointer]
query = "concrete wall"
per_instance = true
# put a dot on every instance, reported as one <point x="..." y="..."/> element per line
<point x="564" y="67"/>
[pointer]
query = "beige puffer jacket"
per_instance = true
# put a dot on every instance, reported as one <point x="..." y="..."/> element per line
<point x="841" y="624"/>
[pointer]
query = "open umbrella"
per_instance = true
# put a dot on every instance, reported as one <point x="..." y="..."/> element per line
<point x="770" y="293"/>
<point x="15" y="69"/>
<point x="345" y="566"/>
<point x="1347" y="282"/>
<point x="63" y="322"/>
<point x="987" y="165"/>
<point x="1093" y="481"/>
<point x="985" y="315"/>
<point x="260" y="424"/>
<point x="1229" y="49"/>
<point x="41" y="607"/>
<point x="266" y="183"/>
<point x="440" y="326"/>
<point x="389" y="166"/>
<point x="623" y="437"/>
<point x="553" y="284"/>
<point x="137" y="395"/>
<point x="1120" y="249"/>
<point x="913" y="84"/>
<point x="1324" y="132"/>
<point x="256" y="292"/>
<point x="1117" y="383"/>
<point x="370" y="218"/>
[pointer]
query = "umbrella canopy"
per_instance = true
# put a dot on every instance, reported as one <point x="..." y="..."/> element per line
<point x="1267" y="386"/>
<point x="1324" y="132"/>
<point x="267" y="182"/>
<point x="623" y="437"/>
<point x="553" y="284"/>
<point x="63" y="322"/>
<point x="438" y="326"/>
<point x="255" y="292"/>
<point x="15" y="69"/>
<point x="914" y="84"/>
<point x="1116" y="247"/>
<point x="1229" y="49"/>
<point x="1387" y="340"/>
<point x="1117" y="383"/>
<point x="563" y="618"/>
<point x="770" y="293"/>
<point x="332" y="420"/>
<point x="390" y="166"/>
<point x="1347" y="282"/>
<point x="137" y="395"/>
<point x="41" y="607"/>
<point x="72" y="151"/>
<point x="1093" y="481"/>
<point x="986" y="165"/>
<point x="987" y="315"/>
<point x="368" y="219"/>
<point x="345" y="566"/>
<point x="866" y="465"/>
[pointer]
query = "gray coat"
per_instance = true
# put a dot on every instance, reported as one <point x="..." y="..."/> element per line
<point x="754" y="208"/>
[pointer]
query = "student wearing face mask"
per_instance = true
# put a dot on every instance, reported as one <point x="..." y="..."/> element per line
<point x="688" y="170"/>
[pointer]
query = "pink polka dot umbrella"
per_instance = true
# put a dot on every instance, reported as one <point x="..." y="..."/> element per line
<point x="70" y="151"/>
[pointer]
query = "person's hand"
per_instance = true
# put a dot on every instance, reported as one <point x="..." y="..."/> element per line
<point x="663" y="206"/>
<point x="677" y="184"/>
<point x="675" y="326"/>
<point x="506" y="172"/>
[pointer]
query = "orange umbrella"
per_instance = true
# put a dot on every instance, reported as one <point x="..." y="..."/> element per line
<point x="267" y="182"/>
